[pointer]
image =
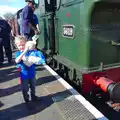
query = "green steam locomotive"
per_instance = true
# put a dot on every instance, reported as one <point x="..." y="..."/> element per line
<point x="81" y="39"/>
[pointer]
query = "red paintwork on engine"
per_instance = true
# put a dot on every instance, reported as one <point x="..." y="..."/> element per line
<point x="89" y="84"/>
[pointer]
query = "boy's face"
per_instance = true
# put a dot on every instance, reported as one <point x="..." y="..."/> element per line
<point x="21" y="45"/>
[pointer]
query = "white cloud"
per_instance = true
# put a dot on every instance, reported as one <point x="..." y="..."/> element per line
<point x="7" y="9"/>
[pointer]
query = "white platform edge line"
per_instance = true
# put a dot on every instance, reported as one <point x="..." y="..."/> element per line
<point x="79" y="97"/>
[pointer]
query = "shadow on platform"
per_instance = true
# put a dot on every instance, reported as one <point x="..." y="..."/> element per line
<point x="17" y="88"/>
<point x="39" y="68"/>
<point x="7" y="64"/>
<point x="25" y="110"/>
<point x="8" y="74"/>
<point x="9" y="91"/>
<point x="1" y="104"/>
<point x="44" y="80"/>
<point x="11" y="73"/>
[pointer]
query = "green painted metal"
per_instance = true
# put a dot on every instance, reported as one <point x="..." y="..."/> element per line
<point x="104" y="30"/>
<point x="76" y="50"/>
<point x="90" y="46"/>
<point x="44" y="41"/>
<point x="92" y="42"/>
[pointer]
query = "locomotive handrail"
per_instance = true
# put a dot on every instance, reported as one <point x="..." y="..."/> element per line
<point x="46" y="14"/>
<point x="59" y="5"/>
<point x="99" y="68"/>
<point x="72" y="3"/>
<point x="115" y="43"/>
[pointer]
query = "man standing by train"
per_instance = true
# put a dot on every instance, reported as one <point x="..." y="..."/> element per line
<point x="27" y="27"/>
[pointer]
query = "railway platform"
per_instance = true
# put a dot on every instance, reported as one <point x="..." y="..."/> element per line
<point x="57" y="99"/>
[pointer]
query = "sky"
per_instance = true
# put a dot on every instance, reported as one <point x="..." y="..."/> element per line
<point x="11" y="6"/>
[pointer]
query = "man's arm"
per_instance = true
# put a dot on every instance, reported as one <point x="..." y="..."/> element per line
<point x="37" y="22"/>
<point x="33" y="28"/>
<point x="16" y="26"/>
<point x="38" y="28"/>
<point x="28" y="15"/>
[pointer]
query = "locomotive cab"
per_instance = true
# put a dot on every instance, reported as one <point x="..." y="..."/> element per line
<point x="45" y="12"/>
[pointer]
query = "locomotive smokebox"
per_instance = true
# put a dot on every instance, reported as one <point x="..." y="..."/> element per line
<point x="107" y="85"/>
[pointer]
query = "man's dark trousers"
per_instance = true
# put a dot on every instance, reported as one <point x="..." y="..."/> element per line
<point x="8" y="50"/>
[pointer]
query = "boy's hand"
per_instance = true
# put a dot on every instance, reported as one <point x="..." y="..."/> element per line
<point x="26" y="49"/>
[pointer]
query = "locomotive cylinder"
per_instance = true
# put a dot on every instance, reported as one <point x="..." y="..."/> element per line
<point x="108" y="85"/>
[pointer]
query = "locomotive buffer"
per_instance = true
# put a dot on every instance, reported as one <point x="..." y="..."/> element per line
<point x="57" y="99"/>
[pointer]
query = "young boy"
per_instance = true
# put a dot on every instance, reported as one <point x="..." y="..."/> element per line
<point x="27" y="73"/>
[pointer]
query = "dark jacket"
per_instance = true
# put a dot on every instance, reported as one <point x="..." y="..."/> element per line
<point x="27" y="17"/>
<point x="5" y="30"/>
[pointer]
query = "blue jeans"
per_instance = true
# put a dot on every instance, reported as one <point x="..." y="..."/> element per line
<point x="25" y="88"/>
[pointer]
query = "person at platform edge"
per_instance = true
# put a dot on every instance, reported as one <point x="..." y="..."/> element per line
<point x="27" y="73"/>
<point x="27" y="27"/>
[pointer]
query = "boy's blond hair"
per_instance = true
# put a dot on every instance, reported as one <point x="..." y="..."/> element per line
<point x="20" y="38"/>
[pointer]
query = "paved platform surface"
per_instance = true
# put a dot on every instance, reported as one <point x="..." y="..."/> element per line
<point x="55" y="101"/>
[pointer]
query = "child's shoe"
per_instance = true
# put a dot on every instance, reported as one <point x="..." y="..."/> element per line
<point x="34" y="98"/>
<point x="27" y="100"/>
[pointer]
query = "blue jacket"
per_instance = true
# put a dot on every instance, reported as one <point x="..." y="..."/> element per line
<point x="29" y="72"/>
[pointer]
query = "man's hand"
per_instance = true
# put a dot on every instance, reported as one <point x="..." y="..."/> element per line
<point x="37" y="32"/>
<point x="33" y="28"/>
